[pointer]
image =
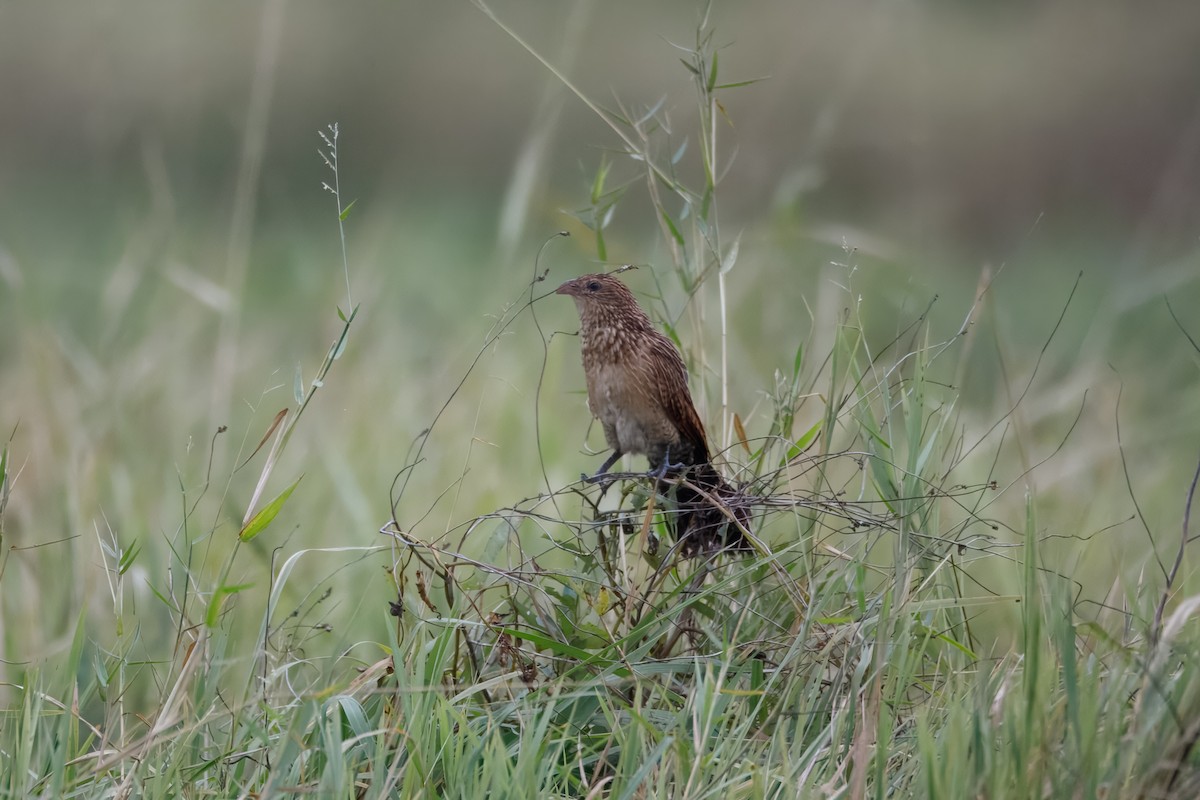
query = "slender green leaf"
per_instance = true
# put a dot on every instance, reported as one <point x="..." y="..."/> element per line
<point x="805" y="440"/>
<point x="127" y="557"/>
<point x="675" y="234"/>
<point x="599" y="179"/>
<point x="354" y="715"/>
<point x="736" y="84"/>
<point x="213" y="613"/>
<point x="263" y="518"/>
<point x="548" y="643"/>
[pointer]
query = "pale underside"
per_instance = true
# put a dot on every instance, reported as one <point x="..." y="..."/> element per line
<point x="629" y="426"/>
<point x="641" y="398"/>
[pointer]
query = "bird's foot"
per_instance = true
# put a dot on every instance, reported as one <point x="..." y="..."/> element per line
<point x="601" y="478"/>
<point x="666" y="466"/>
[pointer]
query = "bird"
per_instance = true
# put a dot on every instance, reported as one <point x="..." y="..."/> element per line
<point x="637" y="386"/>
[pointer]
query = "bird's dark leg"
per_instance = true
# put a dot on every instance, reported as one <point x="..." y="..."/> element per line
<point x="660" y="471"/>
<point x="599" y="476"/>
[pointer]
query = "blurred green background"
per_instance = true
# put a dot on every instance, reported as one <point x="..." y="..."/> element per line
<point x="168" y="257"/>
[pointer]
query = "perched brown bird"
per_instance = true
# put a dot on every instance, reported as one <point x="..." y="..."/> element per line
<point x="637" y="387"/>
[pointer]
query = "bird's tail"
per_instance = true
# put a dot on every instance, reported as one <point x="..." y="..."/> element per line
<point x="710" y="513"/>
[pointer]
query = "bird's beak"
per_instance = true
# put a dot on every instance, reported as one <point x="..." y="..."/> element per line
<point x="568" y="288"/>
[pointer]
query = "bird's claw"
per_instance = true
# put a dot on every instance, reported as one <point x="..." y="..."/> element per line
<point x="666" y="466"/>
<point x="601" y="478"/>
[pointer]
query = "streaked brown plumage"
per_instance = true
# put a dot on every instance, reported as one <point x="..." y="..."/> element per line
<point x="637" y="387"/>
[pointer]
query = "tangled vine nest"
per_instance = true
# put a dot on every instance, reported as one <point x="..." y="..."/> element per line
<point x="540" y="591"/>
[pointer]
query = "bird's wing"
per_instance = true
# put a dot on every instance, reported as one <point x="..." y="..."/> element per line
<point x="668" y="388"/>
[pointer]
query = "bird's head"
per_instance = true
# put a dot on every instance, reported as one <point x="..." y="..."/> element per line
<point x="597" y="293"/>
<point x="598" y="287"/>
<point x="603" y="301"/>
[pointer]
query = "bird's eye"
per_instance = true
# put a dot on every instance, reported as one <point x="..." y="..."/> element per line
<point x="593" y="286"/>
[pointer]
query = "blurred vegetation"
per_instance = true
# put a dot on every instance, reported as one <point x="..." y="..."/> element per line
<point x="169" y="259"/>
